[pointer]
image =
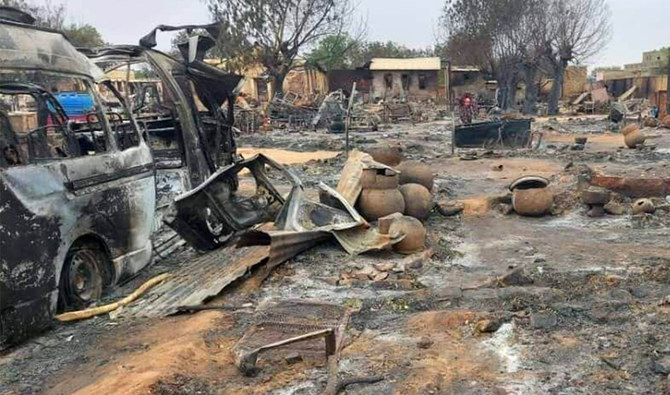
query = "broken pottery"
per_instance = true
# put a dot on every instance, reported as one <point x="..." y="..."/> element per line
<point x="414" y="231"/>
<point x="415" y="172"/>
<point x="390" y="155"/>
<point x="418" y="200"/>
<point x="643" y="206"/>
<point x="379" y="179"/>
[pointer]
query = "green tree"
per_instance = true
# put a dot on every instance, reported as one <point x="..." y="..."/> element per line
<point x="84" y="36"/>
<point x="335" y="52"/>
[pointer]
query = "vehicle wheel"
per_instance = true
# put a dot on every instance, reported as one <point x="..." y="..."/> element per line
<point x="82" y="278"/>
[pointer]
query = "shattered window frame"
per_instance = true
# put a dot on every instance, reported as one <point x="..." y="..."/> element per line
<point x="45" y="84"/>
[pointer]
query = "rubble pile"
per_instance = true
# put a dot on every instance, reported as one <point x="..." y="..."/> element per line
<point x="374" y="239"/>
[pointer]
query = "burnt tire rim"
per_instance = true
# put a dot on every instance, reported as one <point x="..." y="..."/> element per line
<point x="84" y="283"/>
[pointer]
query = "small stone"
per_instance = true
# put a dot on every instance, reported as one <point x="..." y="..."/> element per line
<point x="488" y="325"/>
<point x="293" y="358"/>
<point x="621" y="294"/>
<point x="380" y="276"/>
<point x="596" y="211"/>
<point x="334" y="281"/>
<point x="505" y="209"/>
<point x="543" y="320"/>
<point x="662" y="365"/>
<point x="639" y="292"/>
<point x="425" y="343"/>
<point x="614" y="208"/>
<point x="497" y="167"/>
<point x="516" y="277"/>
<point x="384" y="267"/>
<point x="449" y="209"/>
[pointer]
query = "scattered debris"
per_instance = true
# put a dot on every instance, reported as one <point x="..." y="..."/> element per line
<point x="643" y="206"/>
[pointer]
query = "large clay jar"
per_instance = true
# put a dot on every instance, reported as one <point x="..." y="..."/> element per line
<point x="415" y="235"/>
<point x="377" y="203"/>
<point x="418" y="200"/>
<point x="533" y="202"/>
<point x="390" y="155"/>
<point x="634" y="138"/>
<point x="415" y="172"/>
<point x="629" y="129"/>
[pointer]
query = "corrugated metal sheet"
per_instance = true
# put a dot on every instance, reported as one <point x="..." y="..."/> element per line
<point x="200" y="279"/>
<point x="406" y="64"/>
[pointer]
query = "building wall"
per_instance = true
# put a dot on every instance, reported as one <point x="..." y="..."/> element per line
<point x="306" y="82"/>
<point x="652" y="88"/>
<point x="650" y="60"/>
<point x="301" y="80"/>
<point x="574" y="80"/>
<point x="380" y="89"/>
<point x="344" y="80"/>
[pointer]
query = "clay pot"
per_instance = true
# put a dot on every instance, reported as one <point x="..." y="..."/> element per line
<point x="634" y="138"/>
<point x="418" y="200"/>
<point x="378" y="179"/>
<point x="533" y="202"/>
<point x="377" y="203"/>
<point x="666" y="121"/>
<point x="390" y="155"/>
<point x="415" y="235"/>
<point x="643" y="206"/>
<point x="415" y="172"/>
<point x="629" y="129"/>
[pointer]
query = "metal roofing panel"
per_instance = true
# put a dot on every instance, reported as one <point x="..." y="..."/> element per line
<point x="405" y="64"/>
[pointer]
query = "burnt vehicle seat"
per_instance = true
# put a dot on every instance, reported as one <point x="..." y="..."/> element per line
<point x="11" y="153"/>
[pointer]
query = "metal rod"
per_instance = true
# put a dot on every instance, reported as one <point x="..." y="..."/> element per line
<point x="348" y="120"/>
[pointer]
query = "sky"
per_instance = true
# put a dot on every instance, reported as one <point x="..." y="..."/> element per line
<point x="638" y="25"/>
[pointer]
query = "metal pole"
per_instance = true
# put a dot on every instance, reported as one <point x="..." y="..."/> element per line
<point x="127" y="90"/>
<point x="348" y="119"/>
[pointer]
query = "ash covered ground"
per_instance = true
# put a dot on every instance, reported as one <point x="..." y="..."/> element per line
<point x="497" y="303"/>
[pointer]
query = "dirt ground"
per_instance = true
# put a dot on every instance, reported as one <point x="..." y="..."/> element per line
<point x="499" y="304"/>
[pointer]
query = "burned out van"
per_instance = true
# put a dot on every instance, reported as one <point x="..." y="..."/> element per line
<point x="77" y="194"/>
<point x="85" y="169"/>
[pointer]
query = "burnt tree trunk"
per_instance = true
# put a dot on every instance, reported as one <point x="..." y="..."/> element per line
<point x="556" y="87"/>
<point x="279" y="78"/>
<point x="509" y="98"/>
<point x="530" y="76"/>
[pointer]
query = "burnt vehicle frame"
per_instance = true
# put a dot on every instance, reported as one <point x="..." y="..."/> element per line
<point x="77" y="198"/>
<point x="87" y="215"/>
<point x="193" y="134"/>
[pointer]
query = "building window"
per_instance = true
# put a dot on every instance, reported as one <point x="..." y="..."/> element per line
<point x="388" y="79"/>
<point x="422" y="81"/>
